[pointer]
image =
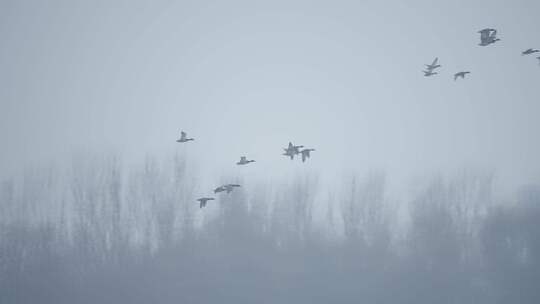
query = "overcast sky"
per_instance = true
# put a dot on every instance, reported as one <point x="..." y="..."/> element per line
<point x="246" y="77"/>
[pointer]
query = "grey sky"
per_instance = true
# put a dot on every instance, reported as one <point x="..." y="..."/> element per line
<point x="245" y="77"/>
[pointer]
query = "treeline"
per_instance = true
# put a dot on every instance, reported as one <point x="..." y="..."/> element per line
<point x="104" y="232"/>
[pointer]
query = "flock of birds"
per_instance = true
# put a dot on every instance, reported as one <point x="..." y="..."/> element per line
<point x="487" y="36"/>
<point x="291" y="151"/>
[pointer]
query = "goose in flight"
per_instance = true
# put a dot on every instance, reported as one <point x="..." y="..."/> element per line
<point x="488" y="36"/>
<point x="434" y="65"/>
<point x="183" y="138"/>
<point x="460" y="74"/>
<point x="228" y="188"/>
<point x="306" y="154"/>
<point x="203" y="200"/>
<point x="429" y="73"/>
<point x="244" y="161"/>
<point x="292" y="150"/>
<point x="529" y="51"/>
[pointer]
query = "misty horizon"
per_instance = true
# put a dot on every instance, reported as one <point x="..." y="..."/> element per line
<point x="423" y="185"/>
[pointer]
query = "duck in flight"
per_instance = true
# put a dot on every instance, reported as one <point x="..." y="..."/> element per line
<point x="431" y="67"/>
<point x="306" y="154"/>
<point x="244" y="161"/>
<point x="292" y="150"/>
<point x="203" y="200"/>
<point x="183" y="138"/>
<point x="434" y="65"/>
<point x="460" y="74"/>
<point x="529" y="51"/>
<point x="488" y="36"/>
<point x="228" y="188"/>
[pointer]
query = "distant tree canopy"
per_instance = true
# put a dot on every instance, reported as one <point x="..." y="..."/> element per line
<point x="101" y="232"/>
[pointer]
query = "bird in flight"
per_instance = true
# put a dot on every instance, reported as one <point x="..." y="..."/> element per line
<point x="292" y="150"/>
<point x="488" y="36"/>
<point x="183" y="138"/>
<point x="228" y="188"/>
<point x="431" y="67"/>
<point x="244" y="161"/>
<point x="203" y="200"/>
<point x="429" y="73"/>
<point x="434" y="65"/>
<point x="460" y="74"/>
<point x="306" y="154"/>
<point x="529" y="51"/>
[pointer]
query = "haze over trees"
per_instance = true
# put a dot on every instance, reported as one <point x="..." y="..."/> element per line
<point x="104" y="232"/>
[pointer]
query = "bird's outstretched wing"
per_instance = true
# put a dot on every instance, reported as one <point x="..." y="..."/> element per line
<point x="435" y="61"/>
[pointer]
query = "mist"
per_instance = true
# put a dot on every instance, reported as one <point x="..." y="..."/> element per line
<point x="419" y="189"/>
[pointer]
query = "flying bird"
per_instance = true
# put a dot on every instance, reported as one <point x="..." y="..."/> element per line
<point x="228" y="188"/>
<point x="429" y="73"/>
<point x="244" y="161"/>
<point x="529" y="51"/>
<point x="292" y="150"/>
<point x="183" y="138"/>
<point x="434" y="65"/>
<point x="203" y="200"/>
<point x="306" y="154"/>
<point x="431" y="67"/>
<point x="488" y="36"/>
<point x="460" y="74"/>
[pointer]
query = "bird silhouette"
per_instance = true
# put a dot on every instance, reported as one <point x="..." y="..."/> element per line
<point x="220" y="189"/>
<point x="434" y="65"/>
<point x="183" y="138"/>
<point x="488" y="36"/>
<point x="306" y="154"/>
<point x="244" y="161"/>
<point x="460" y="74"/>
<point x="429" y="73"/>
<point x="529" y="51"/>
<point x="228" y="188"/>
<point x="292" y="150"/>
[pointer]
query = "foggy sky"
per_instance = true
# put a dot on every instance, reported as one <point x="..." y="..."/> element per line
<point x="246" y="77"/>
